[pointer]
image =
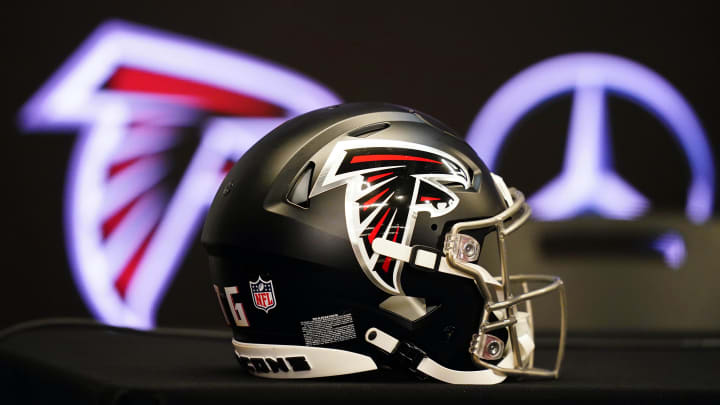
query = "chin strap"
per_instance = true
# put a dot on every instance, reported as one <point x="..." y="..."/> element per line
<point x="418" y="362"/>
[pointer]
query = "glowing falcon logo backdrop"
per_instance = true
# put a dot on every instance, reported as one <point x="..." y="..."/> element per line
<point x="140" y="99"/>
<point x="161" y="119"/>
<point x="388" y="183"/>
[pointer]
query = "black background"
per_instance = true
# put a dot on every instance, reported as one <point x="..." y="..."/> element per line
<point x="444" y="58"/>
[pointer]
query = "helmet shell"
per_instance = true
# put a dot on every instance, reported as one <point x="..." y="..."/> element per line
<point x="254" y="233"/>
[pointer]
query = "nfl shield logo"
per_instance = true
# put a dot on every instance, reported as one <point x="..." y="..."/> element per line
<point x="263" y="294"/>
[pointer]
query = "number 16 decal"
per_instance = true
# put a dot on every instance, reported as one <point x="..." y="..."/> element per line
<point x="236" y="308"/>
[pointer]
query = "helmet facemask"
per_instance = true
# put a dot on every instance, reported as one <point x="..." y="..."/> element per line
<point x="460" y="252"/>
<point x="499" y="298"/>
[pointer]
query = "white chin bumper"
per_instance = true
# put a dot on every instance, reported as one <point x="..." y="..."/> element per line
<point x="295" y="362"/>
<point x="285" y="361"/>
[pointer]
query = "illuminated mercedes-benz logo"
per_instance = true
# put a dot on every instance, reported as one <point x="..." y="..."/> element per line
<point x="588" y="182"/>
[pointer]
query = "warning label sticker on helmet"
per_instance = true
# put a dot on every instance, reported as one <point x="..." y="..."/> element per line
<point x="328" y="329"/>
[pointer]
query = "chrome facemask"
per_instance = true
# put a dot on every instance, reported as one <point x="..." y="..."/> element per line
<point x="461" y="251"/>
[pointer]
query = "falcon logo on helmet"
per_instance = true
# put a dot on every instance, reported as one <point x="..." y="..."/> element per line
<point x="388" y="183"/>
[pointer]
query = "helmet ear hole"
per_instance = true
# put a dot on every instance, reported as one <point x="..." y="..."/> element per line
<point x="434" y="227"/>
<point x="299" y="193"/>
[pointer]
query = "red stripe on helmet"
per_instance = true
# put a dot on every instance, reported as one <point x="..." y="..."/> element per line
<point x="375" y="230"/>
<point x="367" y="203"/>
<point x="386" y="262"/>
<point x="378" y="176"/>
<point x="376" y="158"/>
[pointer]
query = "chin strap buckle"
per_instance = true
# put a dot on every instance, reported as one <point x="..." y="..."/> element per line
<point x="410" y="356"/>
<point x="406" y="354"/>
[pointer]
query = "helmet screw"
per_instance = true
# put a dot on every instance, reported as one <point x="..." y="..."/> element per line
<point x="372" y="335"/>
<point x="469" y="249"/>
<point x="448" y="332"/>
<point x="228" y="187"/>
<point x="493" y="348"/>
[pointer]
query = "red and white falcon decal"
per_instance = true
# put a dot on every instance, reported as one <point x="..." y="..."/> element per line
<point x="388" y="183"/>
<point x="161" y="119"/>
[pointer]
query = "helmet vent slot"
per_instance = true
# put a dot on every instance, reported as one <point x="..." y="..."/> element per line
<point x="299" y="194"/>
<point x="368" y="129"/>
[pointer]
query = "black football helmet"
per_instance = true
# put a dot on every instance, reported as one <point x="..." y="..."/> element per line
<point x="347" y="240"/>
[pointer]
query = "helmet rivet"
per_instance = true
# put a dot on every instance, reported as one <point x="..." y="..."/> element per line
<point x="448" y="332"/>
<point x="372" y="335"/>
<point x="493" y="348"/>
<point x="228" y="187"/>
